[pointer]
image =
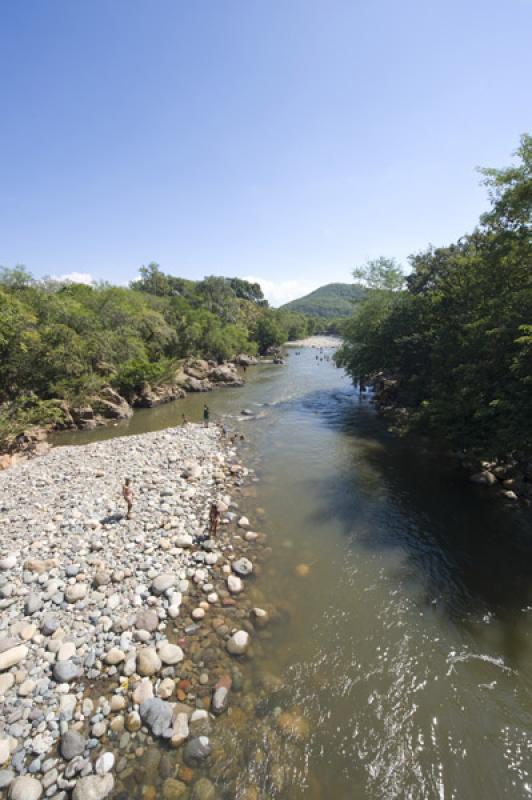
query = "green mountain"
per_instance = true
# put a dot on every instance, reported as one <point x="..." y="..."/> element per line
<point x="332" y="300"/>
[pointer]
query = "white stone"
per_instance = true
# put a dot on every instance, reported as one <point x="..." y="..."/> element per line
<point x="238" y="643"/>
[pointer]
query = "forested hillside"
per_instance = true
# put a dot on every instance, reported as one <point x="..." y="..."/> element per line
<point x="330" y="301"/>
<point x="455" y="336"/>
<point x="64" y="341"/>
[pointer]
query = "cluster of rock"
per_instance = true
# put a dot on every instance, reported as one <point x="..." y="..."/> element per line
<point x="512" y="479"/>
<point x="87" y="595"/>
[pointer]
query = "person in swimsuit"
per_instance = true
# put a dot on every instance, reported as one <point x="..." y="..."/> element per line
<point x="127" y="493"/>
<point x="214" y="518"/>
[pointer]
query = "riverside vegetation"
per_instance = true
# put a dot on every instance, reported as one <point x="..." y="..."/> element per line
<point x="451" y="343"/>
<point x="72" y="353"/>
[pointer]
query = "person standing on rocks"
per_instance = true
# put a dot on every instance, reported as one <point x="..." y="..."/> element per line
<point x="206" y="416"/>
<point x="214" y="518"/>
<point x="127" y="493"/>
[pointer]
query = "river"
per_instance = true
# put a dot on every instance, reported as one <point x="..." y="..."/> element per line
<point x="407" y="638"/>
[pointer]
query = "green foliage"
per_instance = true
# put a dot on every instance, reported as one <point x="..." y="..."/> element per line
<point x="459" y="338"/>
<point x="380" y="273"/>
<point x="330" y="301"/>
<point x="65" y="341"/>
<point x="268" y="333"/>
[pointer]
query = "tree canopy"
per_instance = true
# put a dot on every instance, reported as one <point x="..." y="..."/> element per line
<point x="458" y="338"/>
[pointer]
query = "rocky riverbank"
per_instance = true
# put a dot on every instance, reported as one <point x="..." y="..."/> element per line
<point x="108" y="406"/>
<point x="117" y="632"/>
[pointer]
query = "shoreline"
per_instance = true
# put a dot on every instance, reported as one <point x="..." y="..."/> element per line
<point x="109" y="407"/>
<point x="90" y="598"/>
<point x="320" y="342"/>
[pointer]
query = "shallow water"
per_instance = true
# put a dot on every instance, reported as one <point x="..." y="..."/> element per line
<point x="407" y="633"/>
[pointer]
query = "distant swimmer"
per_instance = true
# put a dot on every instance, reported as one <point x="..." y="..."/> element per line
<point x="127" y="494"/>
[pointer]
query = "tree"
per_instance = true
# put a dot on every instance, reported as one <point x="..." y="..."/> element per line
<point x="380" y="273"/>
<point x="267" y="333"/>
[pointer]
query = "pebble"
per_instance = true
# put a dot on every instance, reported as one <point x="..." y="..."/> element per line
<point x="104" y="763"/>
<point x="25" y="788"/>
<point x="238" y="643"/>
<point x="72" y="744"/>
<point x="170" y="653"/>
<point x="9" y="658"/>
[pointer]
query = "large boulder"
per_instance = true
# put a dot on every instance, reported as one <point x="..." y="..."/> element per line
<point x="246" y="361"/>
<point x="111" y="405"/>
<point x="151" y="396"/>
<point x="225" y="374"/>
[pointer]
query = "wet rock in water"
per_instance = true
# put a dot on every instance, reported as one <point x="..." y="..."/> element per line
<point x="220" y="697"/>
<point x="173" y="789"/>
<point x="200" y="723"/>
<point x="25" y="788"/>
<point x="143" y="691"/>
<point x="235" y="584"/>
<point x="293" y="725"/>
<point x="170" y="653"/>
<point x="243" y="522"/>
<point x="238" y="643"/>
<point x="242" y="567"/>
<point x="180" y="730"/>
<point x="260" y="617"/>
<point x="485" y="477"/>
<point x="203" y="790"/>
<point x="104" y="763"/>
<point x="166" y="688"/>
<point x="72" y="744"/>
<point x="302" y="570"/>
<point x="148" y="662"/>
<point x="197" y="750"/>
<point x="133" y="722"/>
<point x="94" y="787"/>
<point x="157" y="715"/>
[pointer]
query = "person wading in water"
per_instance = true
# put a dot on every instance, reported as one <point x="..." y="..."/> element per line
<point x="206" y="415"/>
<point x="127" y="493"/>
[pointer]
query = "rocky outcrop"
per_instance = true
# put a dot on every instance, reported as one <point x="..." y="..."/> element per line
<point x="151" y="396"/>
<point x="246" y="361"/>
<point x="111" y="405"/>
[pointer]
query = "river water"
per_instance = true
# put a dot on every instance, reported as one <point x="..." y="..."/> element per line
<point x="406" y="643"/>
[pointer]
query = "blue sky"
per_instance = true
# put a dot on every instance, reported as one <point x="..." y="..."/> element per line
<point x="288" y="140"/>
